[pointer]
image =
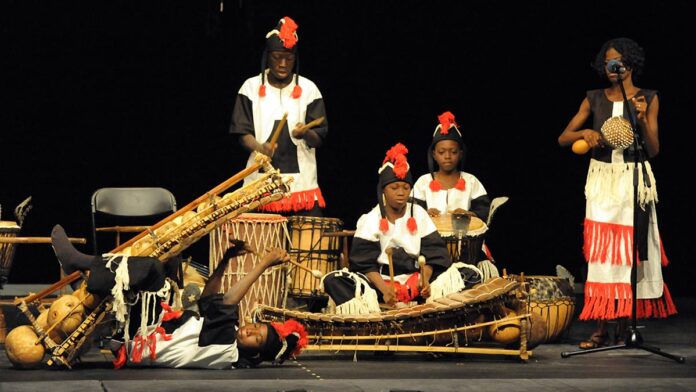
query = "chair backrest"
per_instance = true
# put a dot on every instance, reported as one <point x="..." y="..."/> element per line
<point x="130" y="202"/>
<point x="495" y="204"/>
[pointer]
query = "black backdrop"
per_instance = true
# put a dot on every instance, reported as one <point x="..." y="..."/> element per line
<point x="99" y="94"/>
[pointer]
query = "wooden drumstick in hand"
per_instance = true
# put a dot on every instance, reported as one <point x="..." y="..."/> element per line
<point x="312" y="123"/>
<point x="316" y="273"/>
<point x="301" y="130"/>
<point x="421" y="267"/>
<point x="276" y="133"/>
<point x="389" y="252"/>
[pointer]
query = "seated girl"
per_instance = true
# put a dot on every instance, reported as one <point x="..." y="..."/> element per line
<point x="451" y="190"/>
<point x="399" y="230"/>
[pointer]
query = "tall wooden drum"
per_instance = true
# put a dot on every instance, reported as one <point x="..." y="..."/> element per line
<point x="7" y="229"/>
<point x="309" y="247"/>
<point x="261" y="232"/>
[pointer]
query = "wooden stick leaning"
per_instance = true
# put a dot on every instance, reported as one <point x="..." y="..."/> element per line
<point x="49" y="290"/>
<point x="36" y="240"/>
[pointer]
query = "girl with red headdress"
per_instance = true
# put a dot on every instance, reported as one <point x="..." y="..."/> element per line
<point x="398" y="226"/>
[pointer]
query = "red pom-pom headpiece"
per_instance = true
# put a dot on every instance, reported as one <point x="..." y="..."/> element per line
<point x="397" y="156"/>
<point x="283" y="36"/>
<point x="292" y="327"/>
<point x="446" y="120"/>
<point x="288" y="32"/>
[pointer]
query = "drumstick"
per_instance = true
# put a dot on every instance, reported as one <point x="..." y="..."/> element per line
<point x="313" y="123"/>
<point x="316" y="273"/>
<point x="421" y="267"/>
<point x="389" y="252"/>
<point x="276" y="133"/>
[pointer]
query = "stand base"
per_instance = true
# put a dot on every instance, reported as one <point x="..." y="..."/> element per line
<point x="633" y="340"/>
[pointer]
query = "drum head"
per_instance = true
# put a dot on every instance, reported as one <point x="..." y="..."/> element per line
<point x="447" y="225"/>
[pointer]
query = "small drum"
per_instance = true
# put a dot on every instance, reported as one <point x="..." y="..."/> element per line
<point x="309" y="247"/>
<point x="464" y="248"/>
<point x="7" y="229"/>
<point x="260" y="231"/>
<point x="552" y="298"/>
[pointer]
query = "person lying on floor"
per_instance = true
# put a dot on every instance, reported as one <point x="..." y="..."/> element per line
<point x="404" y="228"/>
<point x="182" y="339"/>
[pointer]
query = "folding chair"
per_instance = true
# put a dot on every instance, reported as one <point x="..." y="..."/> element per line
<point x="129" y="203"/>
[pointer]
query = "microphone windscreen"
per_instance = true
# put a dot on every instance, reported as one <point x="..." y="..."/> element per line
<point x="615" y="66"/>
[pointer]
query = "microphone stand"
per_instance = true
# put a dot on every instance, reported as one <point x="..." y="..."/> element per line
<point x="633" y="336"/>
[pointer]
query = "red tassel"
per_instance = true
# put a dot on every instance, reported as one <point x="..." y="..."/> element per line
<point x="169" y="314"/>
<point x="120" y="360"/>
<point x="297" y="201"/>
<point x="412" y="225"/>
<point x="607" y="243"/>
<point x="608" y="301"/>
<point x="435" y="185"/>
<point x="163" y="333"/>
<point x="665" y="260"/>
<point x="262" y="90"/>
<point x="383" y="225"/>
<point x="138" y="347"/>
<point x="296" y="92"/>
<point x="488" y="253"/>
<point x="461" y="184"/>
<point x="152" y="345"/>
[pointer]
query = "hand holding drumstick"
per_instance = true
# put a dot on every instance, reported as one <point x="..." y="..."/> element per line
<point x="306" y="133"/>
<point x="426" y="272"/>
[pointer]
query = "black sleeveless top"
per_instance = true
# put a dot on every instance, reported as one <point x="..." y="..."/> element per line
<point x="602" y="109"/>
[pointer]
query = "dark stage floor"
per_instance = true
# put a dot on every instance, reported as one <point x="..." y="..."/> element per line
<point x="624" y="369"/>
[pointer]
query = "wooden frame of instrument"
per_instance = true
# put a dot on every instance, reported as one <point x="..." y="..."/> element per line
<point x="330" y="336"/>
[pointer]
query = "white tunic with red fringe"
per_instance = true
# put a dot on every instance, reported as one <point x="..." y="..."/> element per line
<point x="446" y="200"/>
<point x="468" y="194"/>
<point x="608" y="242"/>
<point x="259" y="116"/>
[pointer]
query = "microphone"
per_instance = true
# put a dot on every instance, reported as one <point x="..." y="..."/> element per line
<point x="616" y="66"/>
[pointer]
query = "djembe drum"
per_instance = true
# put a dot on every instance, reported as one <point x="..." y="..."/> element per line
<point x="464" y="247"/>
<point x="309" y="247"/>
<point x="7" y="229"/>
<point x="552" y="298"/>
<point x="261" y="232"/>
